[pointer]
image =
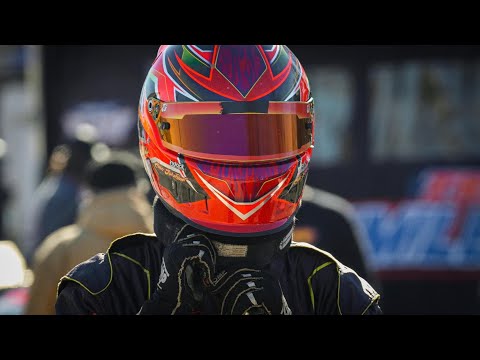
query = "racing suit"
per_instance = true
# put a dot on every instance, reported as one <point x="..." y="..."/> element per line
<point x="122" y="279"/>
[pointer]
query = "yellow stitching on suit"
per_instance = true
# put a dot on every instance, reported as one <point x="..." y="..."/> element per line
<point x="82" y="285"/>
<point x="146" y="271"/>
<point x="107" y="253"/>
<point x="371" y="303"/>
<point x="309" y="281"/>
<point x="338" y="291"/>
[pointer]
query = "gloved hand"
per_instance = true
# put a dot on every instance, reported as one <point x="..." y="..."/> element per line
<point x="249" y="292"/>
<point x="186" y="273"/>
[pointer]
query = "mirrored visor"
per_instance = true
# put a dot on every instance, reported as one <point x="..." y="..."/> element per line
<point x="285" y="131"/>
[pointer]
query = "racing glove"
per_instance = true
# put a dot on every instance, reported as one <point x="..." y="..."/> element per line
<point x="186" y="273"/>
<point x="249" y="292"/>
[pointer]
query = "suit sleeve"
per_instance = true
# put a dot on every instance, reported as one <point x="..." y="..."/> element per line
<point x="336" y="289"/>
<point x="374" y="309"/>
<point x="355" y="295"/>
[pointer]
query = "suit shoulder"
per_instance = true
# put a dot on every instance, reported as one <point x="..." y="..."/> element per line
<point x="95" y="274"/>
<point x="132" y="242"/>
<point x="354" y="295"/>
<point x="304" y="249"/>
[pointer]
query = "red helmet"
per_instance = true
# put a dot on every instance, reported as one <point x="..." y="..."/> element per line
<point x="226" y="135"/>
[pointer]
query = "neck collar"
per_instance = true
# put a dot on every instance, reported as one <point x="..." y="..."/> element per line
<point x="239" y="251"/>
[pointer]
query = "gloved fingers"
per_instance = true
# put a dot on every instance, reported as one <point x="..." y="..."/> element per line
<point x="244" y="299"/>
<point x="199" y="242"/>
<point x="249" y="292"/>
<point x="237" y="291"/>
<point x="228" y="280"/>
<point x="198" y="276"/>
<point x="186" y="272"/>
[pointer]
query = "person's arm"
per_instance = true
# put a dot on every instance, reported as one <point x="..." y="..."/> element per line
<point x="85" y="290"/>
<point x="337" y="289"/>
<point x="73" y="299"/>
<point x="330" y="287"/>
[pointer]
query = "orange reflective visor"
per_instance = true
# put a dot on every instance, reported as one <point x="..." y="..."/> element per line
<point x="236" y="131"/>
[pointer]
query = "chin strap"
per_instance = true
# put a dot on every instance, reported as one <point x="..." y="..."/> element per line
<point x="259" y="251"/>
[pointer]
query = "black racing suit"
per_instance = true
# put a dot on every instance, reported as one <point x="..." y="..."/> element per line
<point x="122" y="279"/>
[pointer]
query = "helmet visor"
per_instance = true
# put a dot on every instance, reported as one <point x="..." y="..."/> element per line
<point x="284" y="131"/>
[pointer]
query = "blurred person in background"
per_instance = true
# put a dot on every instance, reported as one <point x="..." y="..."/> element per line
<point x="330" y="222"/>
<point x="55" y="201"/>
<point x="116" y="206"/>
<point x="226" y="136"/>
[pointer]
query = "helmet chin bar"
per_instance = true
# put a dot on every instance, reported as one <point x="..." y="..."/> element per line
<point x="257" y="250"/>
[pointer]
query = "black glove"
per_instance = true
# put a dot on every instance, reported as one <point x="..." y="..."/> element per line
<point x="249" y="292"/>
<point x="187" y="268"/>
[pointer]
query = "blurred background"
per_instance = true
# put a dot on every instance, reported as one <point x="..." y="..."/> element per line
<point x="397" y="134"/>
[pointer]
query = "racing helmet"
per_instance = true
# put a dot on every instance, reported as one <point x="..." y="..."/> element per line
<point x="226" y="134"/>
